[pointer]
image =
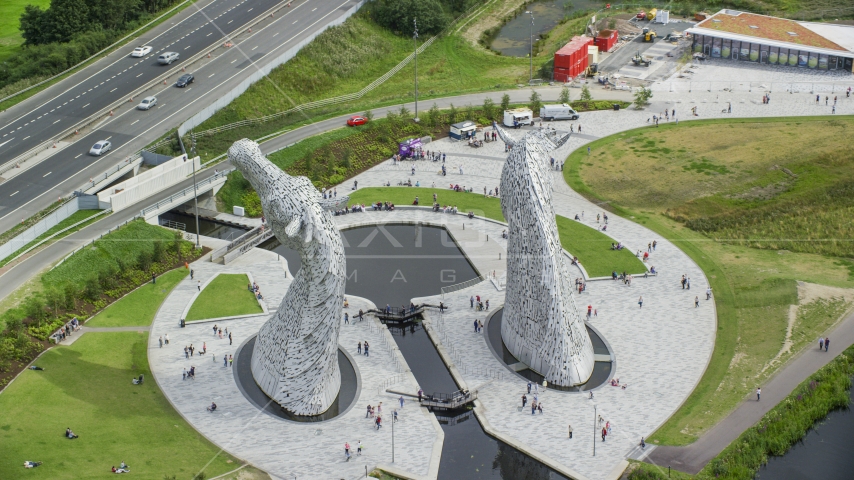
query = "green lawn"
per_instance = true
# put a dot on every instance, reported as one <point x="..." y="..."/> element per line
<point x="593" y="250"/>
<point x="711" y="175"/>
<point x="10" y="16"/>
<point x="590" y="246"/>
<point x="87" y="386"/>
<point x="138" y="308"/>
<point x="225" y="296"/>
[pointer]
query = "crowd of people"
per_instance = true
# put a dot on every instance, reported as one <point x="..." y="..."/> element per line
<point x="255" y="289"/>
<point x="355" y="208"/>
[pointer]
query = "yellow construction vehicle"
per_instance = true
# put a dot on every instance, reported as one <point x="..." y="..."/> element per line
<point x="648" y="35"/>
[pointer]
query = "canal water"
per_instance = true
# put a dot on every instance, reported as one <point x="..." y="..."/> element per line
<point x="514" y="38"/>
<point x="208" y="228"/>
<point x="428" y="259"/>
<point x="825" y="453"/>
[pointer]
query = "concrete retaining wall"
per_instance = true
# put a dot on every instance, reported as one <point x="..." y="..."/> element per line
<point x="84" y="202"/>
<point x="226" y="98"/>
<point x="157" y="179"/>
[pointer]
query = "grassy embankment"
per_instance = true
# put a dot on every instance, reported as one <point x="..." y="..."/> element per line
<point x="590" y="246"/>
<point x="84" y="284"/>
<point x="345" y="59"/>
<point x="226" y="295"/>
<point x="87" y="386"/>
<point x="810" y="402"/>
<point x="78" y="216"/>
<point x="756" y="219"/>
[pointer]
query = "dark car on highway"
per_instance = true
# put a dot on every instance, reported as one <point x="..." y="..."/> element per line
<point x="185" y="80"/>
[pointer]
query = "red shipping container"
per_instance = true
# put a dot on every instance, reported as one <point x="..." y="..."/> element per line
<point x="606" y="40"/>
<point x="573" y="55"/>
<point x="562" y="75"/>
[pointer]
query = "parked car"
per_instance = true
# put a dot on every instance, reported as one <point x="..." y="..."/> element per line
<point x="101" y="147"/>
<point x="185" y="80"/>
<point x="141" y="51"/>
<point x="147" y="103"/>
<point x="167" y="58"/>
<point x="356" y="120"/>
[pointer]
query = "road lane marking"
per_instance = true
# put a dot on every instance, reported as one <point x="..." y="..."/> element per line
<point x="253" y="8"/>
<point x="7" y="141"/>
<point x="46" y="174"/>
<point x="253" y="48"/>
<point x="208" y="35"/>
<point x="295" y="22"/>
<point x="234" y="60"/>
<point x="135" y="121"/>
<point x="275" y="34"/>
<point x="84" y="106"/>
<point x="139" y="75"/>
<point x="79" y="155"/>
<point x="25" y="138"/>
<point x="229" y="21"/>
<point x="56" y="122"/>
<point x="188" y="46"/>
<point x="16" y="192"/>
<point x="109" y="137"/>
<point x="113" y="90"/>
<point x="211" y="75"/>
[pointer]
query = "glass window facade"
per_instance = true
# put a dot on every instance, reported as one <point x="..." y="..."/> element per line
<point x="757" y="52"/>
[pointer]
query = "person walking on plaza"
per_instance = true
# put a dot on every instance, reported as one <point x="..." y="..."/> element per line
<point x="826" y="343"/>
<point x="401" y="401"/>
<point x="758" y="393"/>
<point x="820" y="344"/>
<point x="359" y="348"/>
<point x="570" y="431"/>
<point x="529" y="388"/>
<point x="696" y="301"/>
<point x="640" y="302"/>
<point x="524" y="400"/>
<point x="161" y="342"/>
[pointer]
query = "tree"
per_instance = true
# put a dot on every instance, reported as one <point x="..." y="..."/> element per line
<point x="489" y="108"/>
<point x="31" y="25"/>
<point x="564" y="95"/>
<point x="535" y="103"/>
<point x="433" y="116"/>
<point x="64" y="19"/>
<point x="469" y="112"/>
<point x="452" y="114"/>
<point x="642" y="96"/>
<point x="505" y="102"/>
<point x="404" y="113"/>
<point x="585" y="94"/>
<point x="369" y="115"/>
<point x="397" y="15"/>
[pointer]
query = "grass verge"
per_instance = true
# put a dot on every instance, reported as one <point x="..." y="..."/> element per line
<point x="590" y="246"/>
<point x="78" y="216"/>
<point x="87" y="386"/>
<point x="661" y="171"/>
<point x="137" y="309"/>
<point x="225" y="296"/>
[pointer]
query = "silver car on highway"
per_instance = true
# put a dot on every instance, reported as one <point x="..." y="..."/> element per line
<point x="101" y="147"/>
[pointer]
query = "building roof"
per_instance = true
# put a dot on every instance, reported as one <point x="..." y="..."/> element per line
<point x="782" y="30"/>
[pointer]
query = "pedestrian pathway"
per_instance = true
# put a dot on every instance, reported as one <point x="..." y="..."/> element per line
<point x="694" y="457"/>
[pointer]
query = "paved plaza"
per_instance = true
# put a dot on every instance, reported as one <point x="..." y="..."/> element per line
<point x="282" y="448"/>
<point x="660" y="350"/>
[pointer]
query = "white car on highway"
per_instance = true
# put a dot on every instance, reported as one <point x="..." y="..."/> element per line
<point x="141" y="51"/>
<point x="147" y="103"/>
<point x="101" y="147"/>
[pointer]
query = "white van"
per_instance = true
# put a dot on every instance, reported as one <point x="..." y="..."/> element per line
<point x="167" y="58"/>
<point x="558" y="112"/>
<point x="518" y="117"/>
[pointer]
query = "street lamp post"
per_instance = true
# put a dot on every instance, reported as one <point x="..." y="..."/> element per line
<point x="531" y="55"/>
<point x="195" y="191"/>
<point x="594" y="430"/>
<point x="392" y="436"/>
<point x="415" y="42"/>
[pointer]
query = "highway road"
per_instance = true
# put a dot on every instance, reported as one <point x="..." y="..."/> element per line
<point x="111" y="80"/>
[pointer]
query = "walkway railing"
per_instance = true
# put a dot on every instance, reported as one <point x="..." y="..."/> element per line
<point x="393" y="380"/>
<point x="462" y="286"/>
<point x="449" y="400"/>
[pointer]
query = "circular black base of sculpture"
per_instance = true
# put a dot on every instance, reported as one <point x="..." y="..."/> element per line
<point x="601" y="370"/>
<point x="246" y="383"/>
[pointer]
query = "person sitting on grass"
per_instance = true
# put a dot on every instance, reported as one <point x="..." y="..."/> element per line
<point x="29" y="464"/>
<point x="124" y="466"/>
<point x="69" y="434"/>
<point x="212" y="408"/>
<point x="119" y="470"/>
